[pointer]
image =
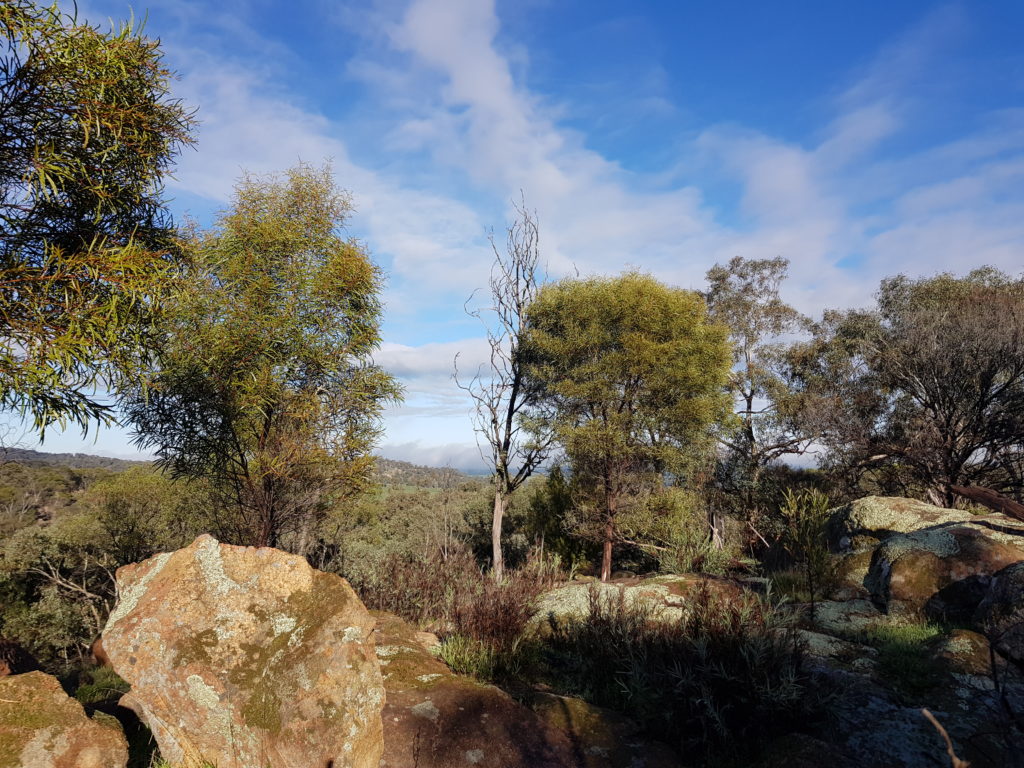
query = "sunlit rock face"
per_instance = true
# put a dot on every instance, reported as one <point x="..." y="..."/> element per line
<point x="43" y="727"/>
<point x="242" y="656"/>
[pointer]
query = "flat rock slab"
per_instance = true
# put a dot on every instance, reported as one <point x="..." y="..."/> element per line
<point x="43" y="727"/>
<point x="247" y="657"/>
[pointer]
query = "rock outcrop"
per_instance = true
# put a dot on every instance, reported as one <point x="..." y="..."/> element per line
<point x="862" y="524"/>
<point x="939" y="572"/>
<point x="247" y="657"/>
<point x="43" y="727"/>
<point x="1001" y="613"/>
<point x="436" y="719"/>
<point x="663" y="595"/>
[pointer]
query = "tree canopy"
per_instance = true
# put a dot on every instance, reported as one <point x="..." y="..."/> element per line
<point x="88" y="133"/>
<point x="265" y="386"/>
<point x="927" y="389"/>
<point x="771" y="414"/>
<point x="634" y="374"/>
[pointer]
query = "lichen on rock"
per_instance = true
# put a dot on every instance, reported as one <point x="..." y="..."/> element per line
<point x="43" y="727"/>
<point x="239" y="655"/>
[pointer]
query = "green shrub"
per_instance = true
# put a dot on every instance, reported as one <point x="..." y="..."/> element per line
<point x="722" y="679"/>
<point x="805" y="515"/>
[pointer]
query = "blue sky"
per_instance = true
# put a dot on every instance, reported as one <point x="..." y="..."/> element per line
<point x="858" y="140"/>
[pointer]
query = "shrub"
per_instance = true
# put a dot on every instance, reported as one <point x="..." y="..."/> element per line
<point x="724" y="677"/>
<point x="804" y="538"/>
<point x="420" y="589"/>
<point x="903" y="655"/>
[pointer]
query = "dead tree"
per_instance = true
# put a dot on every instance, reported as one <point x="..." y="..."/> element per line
<point x="501" y="396"/>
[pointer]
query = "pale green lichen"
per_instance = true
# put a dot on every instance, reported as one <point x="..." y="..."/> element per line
<point x="207" y="555"/>
<point x="426" y="709"/>
<point x="939" y="542"/>
<point x="201" y="693"/>
<point x="282" y="623"/>
<point x="129" y="596"/>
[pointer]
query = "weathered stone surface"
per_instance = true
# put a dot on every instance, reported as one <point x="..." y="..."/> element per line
<point x="436" y="719"/>
<point x="940" y="572"/>
<point x="14" y="660"/>
<point x="600" y="737"/>
<point x="872" y="725"/>
<point x="1001" y="613"/>
<point x="43" y="727"/>
<point x="862" y="524"/>
<point x="851" y="572"/>
<point x="963" y="652"/>
<point x="247" y="657"/>
<point x="838" y="617"/>
<point x="665" y="596"/>
<point x="827" y="652"/>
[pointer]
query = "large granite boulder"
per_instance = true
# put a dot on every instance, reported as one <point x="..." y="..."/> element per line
<point x="601" y="738"/>
<point x="436" y="719"/>
<point x="939" y="572"/>
<point x="860" y="525"/>
<point x="248" y="657"/>
<point x="43" y="727"/>
<point x="1001" y="613"/>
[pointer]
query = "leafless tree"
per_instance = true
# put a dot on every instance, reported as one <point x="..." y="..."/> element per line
<point x="513" y="443"/>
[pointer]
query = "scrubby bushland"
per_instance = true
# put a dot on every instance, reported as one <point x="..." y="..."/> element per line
<point x="724" y="678"/>
<point x="57" y="580"/>
<point x="482" y="621"/>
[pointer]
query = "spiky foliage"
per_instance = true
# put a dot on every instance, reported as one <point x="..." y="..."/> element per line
<point x="88" y="132"/>
<point x="265" y="385"/>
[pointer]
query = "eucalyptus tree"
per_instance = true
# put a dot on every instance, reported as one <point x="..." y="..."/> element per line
<point x="771" y="415"/>
<point x="505" y="414"/>
<point x="633" y="372"/>
<point x="265" y="386"/>
<point x="926" y="389"/>
<point x="88" y="133"/>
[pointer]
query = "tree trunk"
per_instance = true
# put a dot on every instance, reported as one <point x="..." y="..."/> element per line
<point x="606" y="555"/>
<point x="991" y="499"/>
<point x="498" y="570"/>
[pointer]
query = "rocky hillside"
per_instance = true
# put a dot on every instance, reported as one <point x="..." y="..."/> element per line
<point x="241" y="654"/>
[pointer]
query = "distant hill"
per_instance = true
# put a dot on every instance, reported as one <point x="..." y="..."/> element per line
<point x="73" y="460"/>
<point x="389" y="472"/>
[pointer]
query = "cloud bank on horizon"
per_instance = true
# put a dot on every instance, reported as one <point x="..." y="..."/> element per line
<point x="857" y="142"/>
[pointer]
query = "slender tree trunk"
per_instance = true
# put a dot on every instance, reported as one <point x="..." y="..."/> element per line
<point x="609" y="527"/>
<point x="498" y="571"/>
<point x="606" y="555"/>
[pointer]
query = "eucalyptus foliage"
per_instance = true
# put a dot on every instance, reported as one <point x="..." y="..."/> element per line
<point x="88" y="132"/>
<point x="265" y="384"/>
<point x="925" y="390"/>
<point x="634" y="374"/>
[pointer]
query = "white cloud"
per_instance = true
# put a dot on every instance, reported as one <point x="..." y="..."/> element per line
<point x="462" y="456"/>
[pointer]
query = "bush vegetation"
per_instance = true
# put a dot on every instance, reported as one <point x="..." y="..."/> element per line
<point x="723" y="678"/>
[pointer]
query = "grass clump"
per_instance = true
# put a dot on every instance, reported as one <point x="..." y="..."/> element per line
<point x="903" y="655"/>
<point x="724" y="678"/>
<point x="100" y="685"/>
